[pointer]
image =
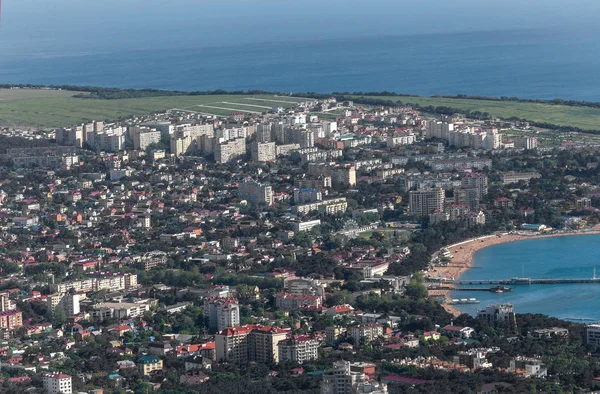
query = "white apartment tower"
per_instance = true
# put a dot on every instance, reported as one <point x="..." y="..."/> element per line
<point x="57" y="383"/>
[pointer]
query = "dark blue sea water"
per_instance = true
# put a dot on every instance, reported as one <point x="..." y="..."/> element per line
<point x="558" y="257"/>
<point x="523" y="63"/>
<point x="535" y="49"/>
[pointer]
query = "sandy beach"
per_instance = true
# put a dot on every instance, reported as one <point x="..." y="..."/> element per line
<point x="462" y="257"/>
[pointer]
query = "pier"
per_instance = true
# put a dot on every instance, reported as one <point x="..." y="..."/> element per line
<point x="524" y="281"/>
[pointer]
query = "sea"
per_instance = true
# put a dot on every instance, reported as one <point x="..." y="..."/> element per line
<point x="541" y="258"/>
<point x="528" y="63"/>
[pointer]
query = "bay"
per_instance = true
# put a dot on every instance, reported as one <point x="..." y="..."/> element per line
<point x="543" y="258"/>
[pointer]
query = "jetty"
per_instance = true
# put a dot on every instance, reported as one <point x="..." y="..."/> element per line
<point x="524" y="281"/>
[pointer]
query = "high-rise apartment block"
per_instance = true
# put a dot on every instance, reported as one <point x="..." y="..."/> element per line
<point x="298" y="349"/>
<point x="68" y="302"/>
<point x="143" y="137"/>
<point x="263" y="151"/>
<point x="256" y="193"/>
<point x="424" y="201"/>
<point x="351" y="378"/>
<point x="249" y="343"/>
<point x="57" y="383"/>
<point x="221" y="312"/>
<point x="229" y="150"/>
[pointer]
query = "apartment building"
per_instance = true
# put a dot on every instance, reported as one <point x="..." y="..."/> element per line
<point x="453" y="164"/>
<point x="256" y="193"/>
<point x="331" y="206"/>
<point x="424" y="201"/>
<point x="467" y="197"/>
<point x="181" y="145"/>
<point x="230" y="150"/>
<point x="526" y="142"/>
<point x="499" y="313"/>
<point x="71" y="137"/>
<point x="249" y="343"/>
<point x="303" y="286"/>
<point x="400" y="139"/>
<point x="108" y="140"/>
<point x="286" y="301"/>
<point x="334" y="333"/>
<point x="144" y="137"/>
<point x="303" y="196"/>
<point x="286" y="149"/>
<point x="147" y="365"/>
<point x="263" y="151"/>
<point x="101" y="281"/>
<point x="319" y="182"/>
<point x="368" y="332"/>
<point x="306" y="226"/>
<point x="351" y="378"/>
<point x="478" y="181"/>
<point x="66" y="301"/>
<point x="152" y="259"/>
<point x="118" y="310"/>
<point x="9" y="320"/>
<point x="221" y="312"/>
<point x="516" y="177"/>
<point x="57" y="383"/>
<point x="532" y="366"/>
<point x="298" y="349"/>
<point x="592" y="334"/>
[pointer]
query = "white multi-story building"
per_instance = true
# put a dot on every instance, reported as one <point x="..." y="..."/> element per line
<point x="298" y="349"/>
<point x="263" y="151"/>
<point x="369" y="331"/>
<point x="592" y="334"/>
<point x="111" y="282"/>
<point x="533" y="366"/>
<point x="515" y="177"/>
<point x="306" y="226"/>
<point x="180" y="145"/>
<point x="230" y="149"/>
<point x="400" y="139"/>
<point x="303" y="286"/>
<point x="329" y="207"/>
<point x="118" y="310"/>
<point x="109" y="140"/>
<point x="222" y="312"/>
<point x="67" y="302"/>
<point x="143" y="137"/>
<point x="57" y="383"/>
<point x="350" y="378"/>
<point x="526" y="142"/>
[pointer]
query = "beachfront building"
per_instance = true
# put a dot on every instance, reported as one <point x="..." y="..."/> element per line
<point x="592" y="334"/>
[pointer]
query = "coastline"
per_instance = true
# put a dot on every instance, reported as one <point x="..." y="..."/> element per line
<point x="463" y="252"/>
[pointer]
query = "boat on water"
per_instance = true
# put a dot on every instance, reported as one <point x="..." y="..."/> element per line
<point x="499" y="289"/>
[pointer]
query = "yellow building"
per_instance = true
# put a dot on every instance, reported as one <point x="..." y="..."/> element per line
<point x="148" y="364"/>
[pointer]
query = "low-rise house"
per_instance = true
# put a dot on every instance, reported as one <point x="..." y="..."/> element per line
<point x="547" y="333"/>
<point x="452" y="331"/>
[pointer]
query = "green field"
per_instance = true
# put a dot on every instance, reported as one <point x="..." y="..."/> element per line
<point x="59" y="108"/>
<point x="52" y="108"/>
<point x="586" y="118"/>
